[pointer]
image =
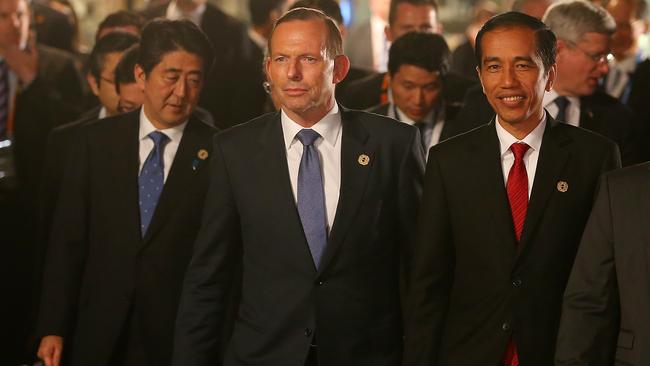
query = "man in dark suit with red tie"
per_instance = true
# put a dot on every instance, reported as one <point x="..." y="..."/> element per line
<point x="318" y="204"/>
<point x="503" y="210"/>
<point x="128" y="211"/>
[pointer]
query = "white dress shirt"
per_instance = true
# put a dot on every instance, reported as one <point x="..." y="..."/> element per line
<point x="195" y="16"/>
<point x="329" y="151"/>
<point x="533" y="139"/>
<point x="146" y="144"/>
<point x="572" y="110"/>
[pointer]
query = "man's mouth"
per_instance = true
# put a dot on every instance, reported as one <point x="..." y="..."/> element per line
<point x="511" y="100"/>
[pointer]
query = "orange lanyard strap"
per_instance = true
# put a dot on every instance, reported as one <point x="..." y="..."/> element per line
<point x="385" y="84"/>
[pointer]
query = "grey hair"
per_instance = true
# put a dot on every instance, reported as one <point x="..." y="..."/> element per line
<point x="570" y="20"/>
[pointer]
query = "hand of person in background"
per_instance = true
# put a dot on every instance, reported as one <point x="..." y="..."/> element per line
<point x="50" y="350"/>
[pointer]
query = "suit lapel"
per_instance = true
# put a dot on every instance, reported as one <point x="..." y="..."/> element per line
<point x="123" y="167"/>
<point x="487" y="157"/>
<point x="271" y="165"/>
<point x="354" y="177"/>
<point x="553" y="157"/>
<point x="180" y="174"/>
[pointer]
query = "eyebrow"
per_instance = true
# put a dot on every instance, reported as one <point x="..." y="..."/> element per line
<point x="179" y="71"/>
<point x="516" y="58"/>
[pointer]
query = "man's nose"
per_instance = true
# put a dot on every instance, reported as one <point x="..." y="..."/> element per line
<point x="294" y="72"/>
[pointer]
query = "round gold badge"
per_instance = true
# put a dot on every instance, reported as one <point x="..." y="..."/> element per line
<point x="364" y="159"/>
<point x="202" y="154"/>
<point x="562" y="186"/>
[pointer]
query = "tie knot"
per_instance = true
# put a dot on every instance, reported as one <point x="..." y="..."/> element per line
<point x="561" y="102"/>
<point x="307" y="136"/>
<point x="158" y="138"/>
<point x="519" y="149"/>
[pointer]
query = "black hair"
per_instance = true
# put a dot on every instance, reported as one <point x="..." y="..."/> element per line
<point x="162" y="36"/>
<point x="113" y="42"/>
<point x="121" y="18"/>
<point x="392" y="10"/>
<point x="546" y="43"/>
<point x="260" y="9"/>
<point x="124" y="73"/>
<point x="425" y="50"/>
<point x="330" y="7"/>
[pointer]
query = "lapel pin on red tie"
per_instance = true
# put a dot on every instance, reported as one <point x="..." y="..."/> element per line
<point x="364" y="159"/>
<point x="562" y="186"/>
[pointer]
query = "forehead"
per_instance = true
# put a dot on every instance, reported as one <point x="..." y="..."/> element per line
<point x="596" y="42"/>
<point x="416" y="74"/>
<point x="180" y="60"/>
<point x="12" y="6"/>
<point x="509" y="42"/>
<point x="406" y="12"/>
<point x="299" y="35"/>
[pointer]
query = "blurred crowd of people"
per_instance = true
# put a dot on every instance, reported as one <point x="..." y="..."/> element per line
<point x="70" y="193"/>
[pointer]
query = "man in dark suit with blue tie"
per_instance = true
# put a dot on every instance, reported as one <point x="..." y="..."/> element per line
<point x="317" y="203"/>
<point x="128" y="212"/>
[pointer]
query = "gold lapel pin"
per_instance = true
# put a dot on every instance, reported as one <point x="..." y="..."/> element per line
<point x="202" y="154"/>
<point x="364" y="159"/>
<point x="562" y="186"/>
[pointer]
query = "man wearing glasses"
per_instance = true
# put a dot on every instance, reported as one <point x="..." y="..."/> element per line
<point x="584" y="33"/>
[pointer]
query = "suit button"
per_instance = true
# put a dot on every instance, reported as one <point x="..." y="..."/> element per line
<point x="505" y="326"/>
<point x="320" y="283"/>
<point x="308" y="332"/>
<point x="516" y="282"/>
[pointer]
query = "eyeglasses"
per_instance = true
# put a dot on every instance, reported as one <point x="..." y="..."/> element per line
<point x="599" y="58"/>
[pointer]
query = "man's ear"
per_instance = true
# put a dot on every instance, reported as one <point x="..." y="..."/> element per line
<point x="552" y="73"/>
<point x="341" y="68"/>
<point x="94" y="86"/>
<point x="140" y="76"/>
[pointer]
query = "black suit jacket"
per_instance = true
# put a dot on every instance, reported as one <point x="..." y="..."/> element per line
<point x="366" y="92"/>
<point x="474" y="287"/>
<point x="350" y="306"/>
<point x="100" y="275"/>
<point x="605" y="313"/>
<point x="599" y="112"/>
<point x="231" y="43"/>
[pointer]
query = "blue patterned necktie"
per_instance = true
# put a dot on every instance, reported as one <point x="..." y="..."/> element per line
<point x="4" y="99"/>
<point x="151" y="180"/>
<point x="311" y="196"/>
<point x="562" y="103"/>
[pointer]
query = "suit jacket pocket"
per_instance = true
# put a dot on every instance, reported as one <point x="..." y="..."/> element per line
<point x="625" y="339"/>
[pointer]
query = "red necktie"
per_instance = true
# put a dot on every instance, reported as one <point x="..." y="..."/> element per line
<point x="517" y="188"/>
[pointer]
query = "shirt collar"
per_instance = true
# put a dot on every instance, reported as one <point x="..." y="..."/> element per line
<point x="402" y="117"/>
<point x="102" y="113"/>
<point x="146" y="127"/>
<point x="533" y="139"/>
<point x="328" y="127"/>
<point x="549" y="98"/>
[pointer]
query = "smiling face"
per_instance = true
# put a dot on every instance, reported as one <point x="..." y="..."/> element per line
<point x="172" y="88"/>
<point x="513" y="78"/>
<point x="415" y="90"/>
<point x="301" y="74"/>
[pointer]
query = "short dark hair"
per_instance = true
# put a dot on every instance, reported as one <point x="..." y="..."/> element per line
<point x="124" y="73"/>
<point x="545" y="40"/>
<point x="260" y="9"/>
<point x="113" y="42"/>
<point x="121" y="18"/>
<point x="425" y="50"/>
<point x="392" y="10"/>
<point x="330" y="7"/>
<point x="334" y="42"/>
<point x="162" y="36"/>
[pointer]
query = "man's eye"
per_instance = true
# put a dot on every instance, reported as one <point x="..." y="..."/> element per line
<point x="522" y="66"/>
<point x="309" y="59"/>
<point x="280" y="59"/>
<point x="493" y="68"/>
